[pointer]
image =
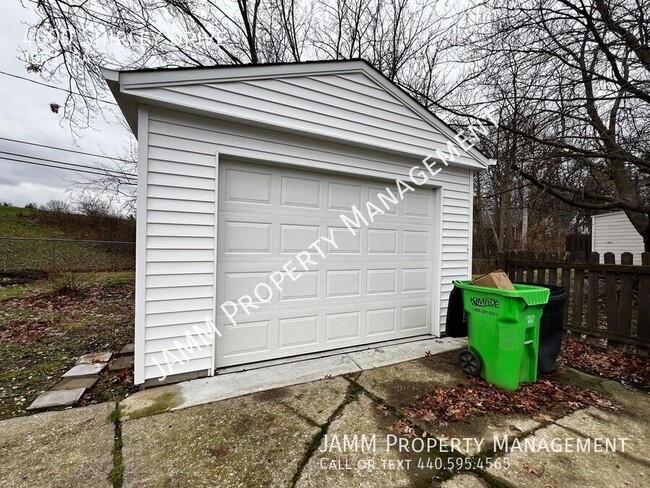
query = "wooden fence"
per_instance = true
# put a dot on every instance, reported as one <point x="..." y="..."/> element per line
<point x="578" y="242"/>
<point x="606" y="300"/>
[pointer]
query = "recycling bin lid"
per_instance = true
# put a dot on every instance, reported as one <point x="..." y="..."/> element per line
<point x="531" y="294"/>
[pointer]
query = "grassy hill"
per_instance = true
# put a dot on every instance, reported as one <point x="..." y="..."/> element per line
<point x="52" y="242"/>
<point x="21" y="222"/>
<point x="29" y="222"/>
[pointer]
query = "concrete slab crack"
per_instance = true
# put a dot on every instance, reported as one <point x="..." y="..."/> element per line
<point x="117" y="474"/>
<point x="351" y="395"/>
<point x="352" y="359"/>
<point x="297" y="413"/>
<point x="624" y="454"/>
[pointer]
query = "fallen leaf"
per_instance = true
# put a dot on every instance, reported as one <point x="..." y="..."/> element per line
<point x="218" y="452"/>
<point x="542" y="417"/>
<point x="530" y="469"/>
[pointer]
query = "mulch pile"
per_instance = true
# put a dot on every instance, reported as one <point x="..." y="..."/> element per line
<point x="608" y="363"/>
<point x="443" y="404"/>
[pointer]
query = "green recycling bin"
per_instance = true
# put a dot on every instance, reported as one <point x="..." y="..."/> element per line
<point x="503" y="332"/>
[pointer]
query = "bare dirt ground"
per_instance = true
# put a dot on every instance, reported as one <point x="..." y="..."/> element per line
<point x="43" y="330"/>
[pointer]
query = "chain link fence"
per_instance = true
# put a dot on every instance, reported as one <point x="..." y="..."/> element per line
<point x="50" y="255"/>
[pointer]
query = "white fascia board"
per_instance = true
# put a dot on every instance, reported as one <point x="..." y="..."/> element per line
<point x="154" y="78"/>
<point x="128" y="106"/>
<point x="608" y="214"/>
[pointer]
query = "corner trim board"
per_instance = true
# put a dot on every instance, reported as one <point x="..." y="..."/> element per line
<point x="141" y="245"/>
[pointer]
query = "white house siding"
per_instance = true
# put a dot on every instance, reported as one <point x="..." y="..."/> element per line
<point x="613" y="232"/>
<point x="342" y="106"/>
<point x="180" y="216"/>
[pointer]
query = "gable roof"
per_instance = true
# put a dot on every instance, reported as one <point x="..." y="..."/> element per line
<point x="347" y="101"/>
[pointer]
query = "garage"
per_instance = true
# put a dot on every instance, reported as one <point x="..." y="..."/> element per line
<point x="251" y="175"/>
<point x="369" y="287"/>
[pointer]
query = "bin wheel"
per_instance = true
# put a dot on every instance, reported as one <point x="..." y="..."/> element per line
<point x="470" y="363"/>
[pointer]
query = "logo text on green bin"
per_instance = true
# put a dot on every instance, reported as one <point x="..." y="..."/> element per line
<point x="485" y="302"/>
<point x="485" y="305"/>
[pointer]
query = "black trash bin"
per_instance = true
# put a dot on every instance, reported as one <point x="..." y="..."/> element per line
<point x="456" y="325"/>
<point x="551" y="328"/>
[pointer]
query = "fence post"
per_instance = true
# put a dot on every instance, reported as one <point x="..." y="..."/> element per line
<point x="565" y="279"/>
<point x="578" y="291"/>
<point x="611" y="295"/>
<point x="502" y="262"/>
<point x="512" y="270"/>
<point x="53" y="262"/>
<point x="643" y="321"/>
<point x="625" y="305"/>
<point x="530" y="268"/>
<point x="593" y="280"/>
<point x="552" y="272"/>
<point x="541" y="269"/>
<point x="519" y="270"/>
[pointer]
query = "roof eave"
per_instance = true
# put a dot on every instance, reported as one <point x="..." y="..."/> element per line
<point x="128" y="104"/>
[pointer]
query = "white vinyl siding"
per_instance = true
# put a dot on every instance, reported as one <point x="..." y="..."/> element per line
<point x="180" y="228"/>
<point x="347" y="107"/>
<point x="613" y="232"/>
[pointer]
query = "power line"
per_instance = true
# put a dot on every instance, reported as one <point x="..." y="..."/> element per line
<point x="84" y="166"/>
<point x="5" y="158"/>
<point x="96" y="155"/>
<point x="55" y="87"/>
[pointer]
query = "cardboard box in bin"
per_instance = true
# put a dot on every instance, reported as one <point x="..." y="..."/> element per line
<point x="496" y="279"/>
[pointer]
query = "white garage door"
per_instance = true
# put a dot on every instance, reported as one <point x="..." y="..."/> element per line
<point x="371" y="287"/>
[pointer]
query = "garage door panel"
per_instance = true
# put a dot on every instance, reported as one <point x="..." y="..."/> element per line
<point x="295" y="215"/>
<point x="298" y="332"/>
<point x="387" y="208"/>
<point x="343" y="282"/>
<point x="381" y="321"/>
<point x="341" y="197"/>
<point x="381" y="281"/>
<point x="247" y="237"/>
<point x="236" y="284"/>
<point x="248" y="187"/>
<point x="373" y="286"/>
<point x="300" y="192"/>
<point x="304" y="288"/>
<point x="295" y="237"/>
<point x="382" y="241"/>
<point x="415" y="317"/>
<point x="245" y="339"/>
<point x="342" y="326"/>
<point x="415" y="242"/>
<point x="415" y="280"/>
<point x="418" y="205"/>
<point x="344" y="241"/>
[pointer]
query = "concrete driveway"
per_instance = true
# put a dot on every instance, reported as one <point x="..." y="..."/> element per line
<point x="347" y="430"/>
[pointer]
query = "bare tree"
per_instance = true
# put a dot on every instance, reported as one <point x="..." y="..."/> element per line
<point x="572" y="79"/>
<point x="569" y="80"/>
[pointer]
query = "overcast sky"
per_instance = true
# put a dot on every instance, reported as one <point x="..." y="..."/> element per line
<point x="26" y="115"/>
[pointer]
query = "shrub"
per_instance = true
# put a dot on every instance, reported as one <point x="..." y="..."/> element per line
<point x="66" y="282"/>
